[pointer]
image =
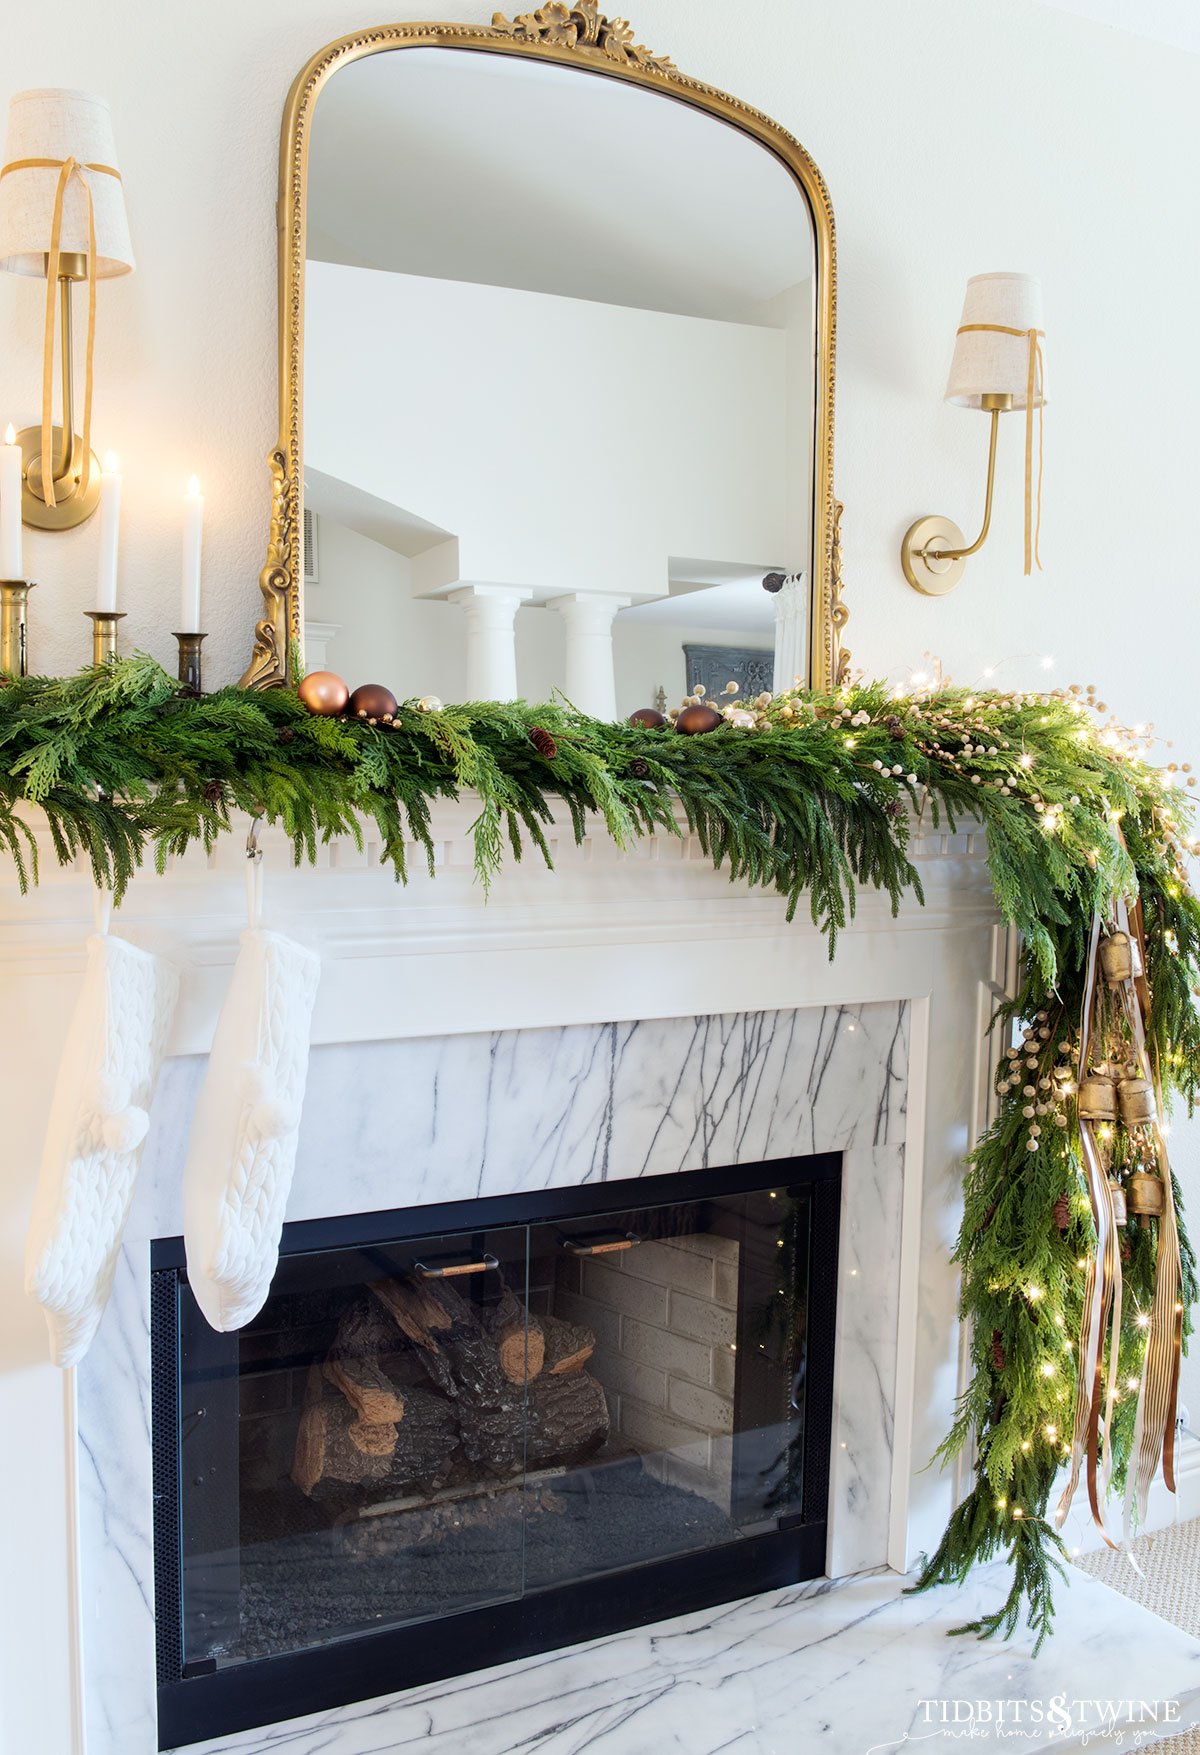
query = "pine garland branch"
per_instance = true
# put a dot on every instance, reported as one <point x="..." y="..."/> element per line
<point x="815" y="800"/>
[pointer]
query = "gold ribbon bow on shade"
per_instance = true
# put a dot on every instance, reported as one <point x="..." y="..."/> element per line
<point x="1035" y="385"/>
<point x="68" y="169"/>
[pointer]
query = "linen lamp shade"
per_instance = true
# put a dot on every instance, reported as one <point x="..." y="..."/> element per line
<point x="987" y="361"/>
<point x="56" y="125"/>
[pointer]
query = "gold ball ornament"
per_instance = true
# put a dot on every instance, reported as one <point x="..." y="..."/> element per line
<point x="429" y="704"/>
<point x="649" y="718"/>
<point x="324" y="692"/>
<point x="372" y="701"/>
<point x="697" y="719"/>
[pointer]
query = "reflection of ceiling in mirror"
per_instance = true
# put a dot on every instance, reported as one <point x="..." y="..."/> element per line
<point x="727" y="599"/>
<point x="496" y="169"/>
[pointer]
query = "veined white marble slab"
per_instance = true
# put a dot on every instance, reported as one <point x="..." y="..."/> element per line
<point x="854" y="1668"/>
<point x="439" y="1118"/>
<point x="394" y="1124"/>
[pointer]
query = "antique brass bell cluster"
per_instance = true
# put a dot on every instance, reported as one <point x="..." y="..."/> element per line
<point x="1113" y="1091"/>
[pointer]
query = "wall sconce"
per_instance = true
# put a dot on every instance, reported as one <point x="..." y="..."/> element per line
<point x="997" y="366"/>
<point x="62" y="219"/>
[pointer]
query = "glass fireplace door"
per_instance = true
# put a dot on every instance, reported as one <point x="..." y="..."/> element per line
<point x="459" y="1435"/>
<point x="686" y="1323"/>
<point x="354" y="1459"/>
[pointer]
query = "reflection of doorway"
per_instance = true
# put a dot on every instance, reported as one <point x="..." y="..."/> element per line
<point x="714" y="666"/>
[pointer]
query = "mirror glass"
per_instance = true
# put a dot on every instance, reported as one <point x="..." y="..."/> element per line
<point x="559" y="342"/>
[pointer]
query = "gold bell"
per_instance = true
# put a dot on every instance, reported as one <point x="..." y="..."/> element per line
<point x="1136" y="1096"/>
<point x="1116" y="958"/>
<point x="1097" y="1098"/>
<point x="1120" y="1213"/>
<point x="1147" y="1196"/>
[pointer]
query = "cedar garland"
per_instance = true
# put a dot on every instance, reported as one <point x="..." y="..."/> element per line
<point x="814" y="800"/>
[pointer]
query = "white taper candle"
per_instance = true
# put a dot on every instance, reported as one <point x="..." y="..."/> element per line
<point x="110" y="531"/>
<point x="193" y="538"/>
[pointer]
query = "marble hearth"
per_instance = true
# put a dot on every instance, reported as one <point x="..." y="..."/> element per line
<point x="624" y="1016"/>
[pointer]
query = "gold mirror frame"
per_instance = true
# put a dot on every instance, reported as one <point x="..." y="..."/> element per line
<point x="577" y="36"/>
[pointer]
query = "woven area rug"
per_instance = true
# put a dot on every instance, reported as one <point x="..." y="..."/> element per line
<point x="1169" y="1586"/>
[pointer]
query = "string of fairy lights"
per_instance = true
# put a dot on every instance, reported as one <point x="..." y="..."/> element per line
<point x="1043" y="1071"/>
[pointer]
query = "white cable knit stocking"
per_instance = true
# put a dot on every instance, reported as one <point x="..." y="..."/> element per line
<point x="98" y="1120"/>
<point x="242" y="1150"/>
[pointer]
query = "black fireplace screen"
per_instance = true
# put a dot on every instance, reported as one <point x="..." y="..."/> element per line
<point x="545" y="1417"/>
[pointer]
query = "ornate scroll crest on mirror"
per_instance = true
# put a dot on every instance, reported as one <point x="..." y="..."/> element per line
<point x="582" y="26"/>
<point x="557" y="32"/>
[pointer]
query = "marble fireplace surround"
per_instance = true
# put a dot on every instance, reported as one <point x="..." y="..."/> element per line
<point x="625" y="1015"/>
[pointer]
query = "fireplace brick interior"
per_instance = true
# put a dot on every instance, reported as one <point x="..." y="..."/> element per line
<point x="665" y="1319"/>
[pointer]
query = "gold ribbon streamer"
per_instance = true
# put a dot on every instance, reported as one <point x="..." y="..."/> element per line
<point x="1101" y="1289"/>
<point x="1158" y="1390"/>
<point x="1035" y="384"/>
<point x="67" y="168"/>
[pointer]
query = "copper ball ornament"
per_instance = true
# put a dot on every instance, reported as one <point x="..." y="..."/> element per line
<point x="372" y="701"/>
<point x="649" y="718"/>
<point x="324" y="692"/>
<point x="695" y="720"/>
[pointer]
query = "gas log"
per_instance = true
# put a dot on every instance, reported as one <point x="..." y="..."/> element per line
<point x="336" y="1451"/>
<point x="422" y="1387"/>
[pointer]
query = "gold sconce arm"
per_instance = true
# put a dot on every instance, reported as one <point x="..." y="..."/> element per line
<point x="73" y="505"/>
<point x="934" y="551"/>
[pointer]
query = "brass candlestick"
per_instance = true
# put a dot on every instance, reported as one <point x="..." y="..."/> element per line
<point x="14" y="631"/>
<point x="190" y="668"/>
<point x="104" y="632"/>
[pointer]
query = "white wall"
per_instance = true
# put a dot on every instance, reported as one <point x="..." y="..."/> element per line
<point x="565" y="443"/>
<point x="383" y="634"/>
<point x="954" y="139"/>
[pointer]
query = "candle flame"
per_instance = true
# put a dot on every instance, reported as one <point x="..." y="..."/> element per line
<point x="112" y="463"/>
<point x="10" y="434"/>
<point x="193" y="488"/>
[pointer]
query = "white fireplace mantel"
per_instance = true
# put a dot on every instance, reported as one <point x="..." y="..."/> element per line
<point x="606" y="937"/>
<point x="437" y="955"/>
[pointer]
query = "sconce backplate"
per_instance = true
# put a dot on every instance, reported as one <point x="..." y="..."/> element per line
<point x="931" y="574"/>
<point x="67" y="512"/>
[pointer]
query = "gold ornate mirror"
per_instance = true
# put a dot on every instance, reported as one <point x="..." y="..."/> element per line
<point x="556" y="333"/>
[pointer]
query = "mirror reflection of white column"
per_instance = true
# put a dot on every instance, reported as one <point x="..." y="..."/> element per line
<point x="491" y="639"/>
<point x="791" y="631"/>
<point x="590" y="683"/>
<point x="317" y="636"/>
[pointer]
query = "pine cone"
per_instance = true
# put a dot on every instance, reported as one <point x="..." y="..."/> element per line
<point x="895" y="726"/>
<point x="1062" y="1211"/>
<point x="287" y="734"/>
<point x="214" y="792"/>
<point x="543" y="743"/>
<point x="896" y="807"/>
<point x="639" y="768"/>
<point x="999" y="1356"/>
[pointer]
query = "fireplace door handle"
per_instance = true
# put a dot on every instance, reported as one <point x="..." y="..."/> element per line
<point x="449" y="1268"/>
<point x="602" y="1244"/>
